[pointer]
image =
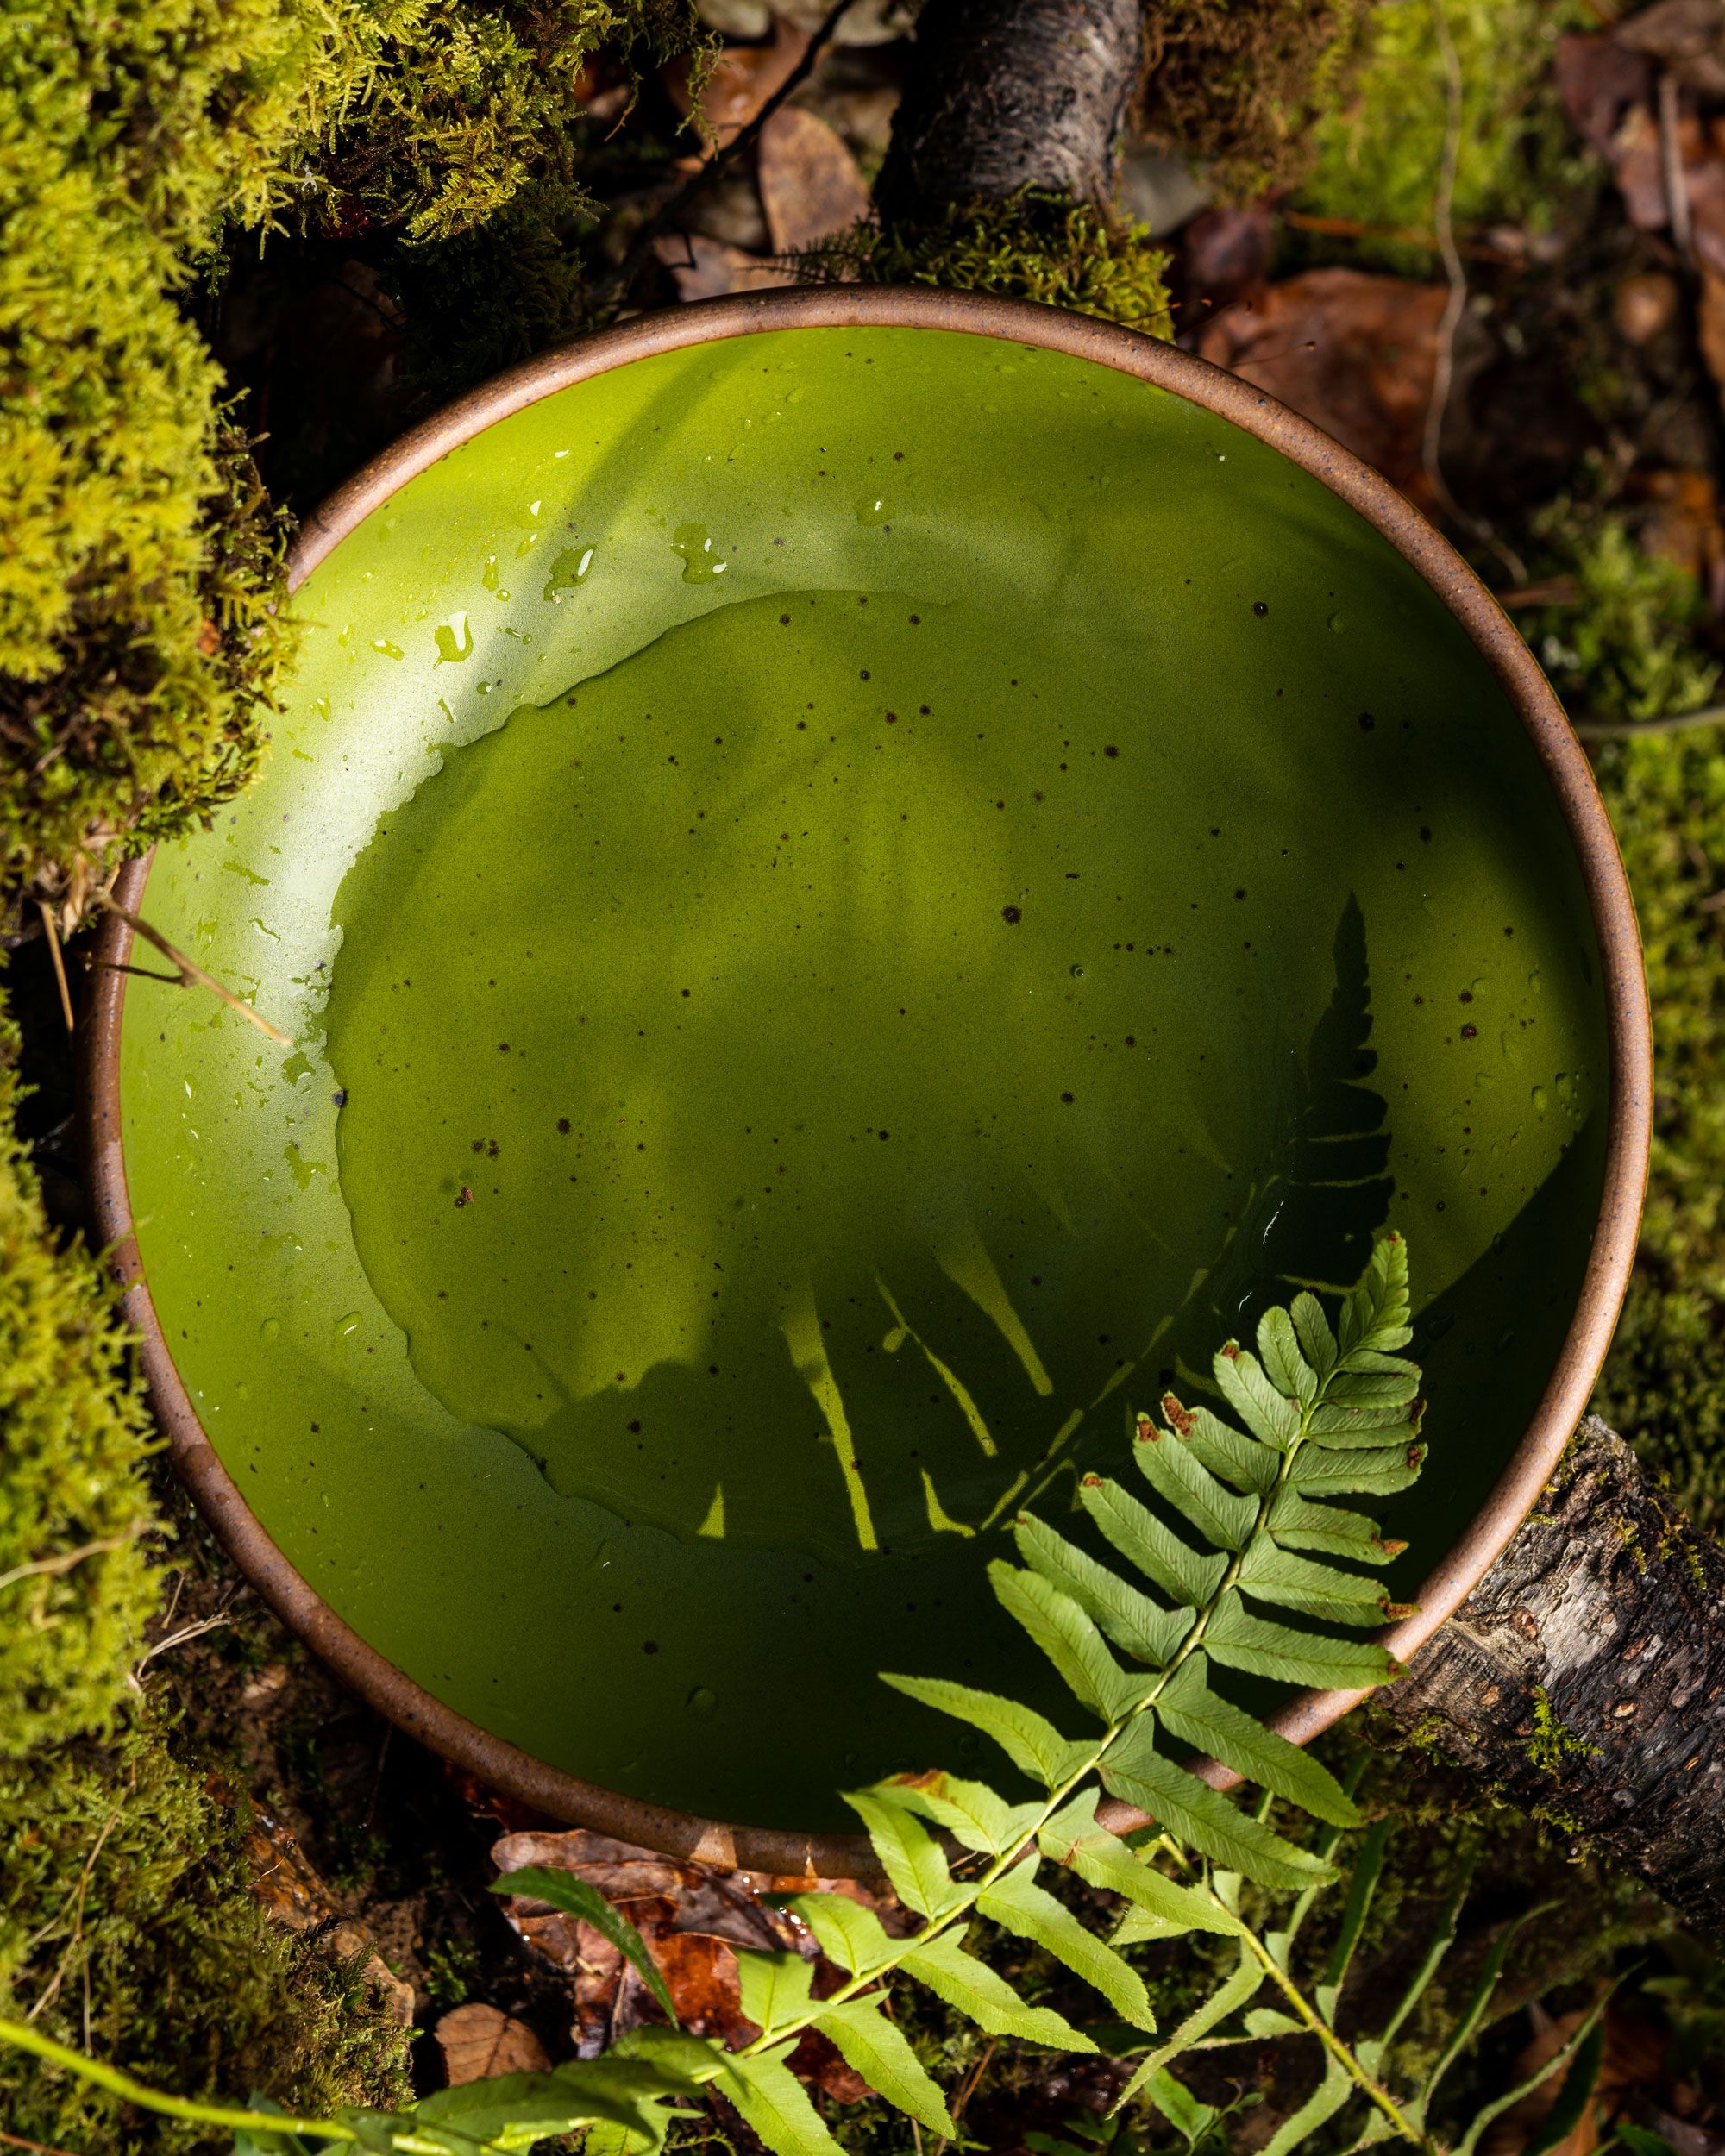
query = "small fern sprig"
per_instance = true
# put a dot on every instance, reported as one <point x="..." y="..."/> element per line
<point x="1325" y="1412"/>
<point x="1321" y="1413"/>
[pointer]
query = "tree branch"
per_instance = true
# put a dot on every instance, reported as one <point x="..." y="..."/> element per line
<point x="1584" y="1677"/>
<point x="1008" y="94"/>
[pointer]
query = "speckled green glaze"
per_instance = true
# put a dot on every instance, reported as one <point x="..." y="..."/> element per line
<point x="848" y="900"/>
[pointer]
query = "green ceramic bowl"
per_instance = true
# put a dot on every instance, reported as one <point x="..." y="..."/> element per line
<point x="856" y="879"/>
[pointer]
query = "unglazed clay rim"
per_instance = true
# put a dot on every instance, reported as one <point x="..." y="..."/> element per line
<point x="563" y="1795"/>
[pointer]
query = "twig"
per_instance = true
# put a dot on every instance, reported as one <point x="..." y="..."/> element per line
<point x="42" y="1567"/>
<point x="51" y="931"/>
<point x="72" y="1944"/>
<point x="377" y="1778"/>
<point x="1407" y="235"/>
<point x="971" y="2079"/>
<point x="1455" y="303"/>
<point x="1555" y="591"/>
<point x="141" y="973"/>
<point x="1633" y="729"/>
<point x="190" y="970"/>
<point x="40" y="2148"/>
<point x="615" y="283"/>
<point x="1671" y="170"/>
<point x="179" y="1639"/>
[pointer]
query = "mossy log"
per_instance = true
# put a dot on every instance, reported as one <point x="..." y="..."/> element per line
<point x="1584" y="1678"/>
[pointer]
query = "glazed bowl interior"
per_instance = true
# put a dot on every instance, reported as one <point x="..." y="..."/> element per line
<point x="850" y="901"/>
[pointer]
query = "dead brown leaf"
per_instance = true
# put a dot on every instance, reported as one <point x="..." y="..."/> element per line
<point x="746" y="76"/>
<point x="1225" y="254"/>
<point x="1597" y="81"/>
<point x="1686" y="36"/>
<point x="292" y="1891"/>
<point x="478" y="2041"/>
<point x="692" y="1917"/>
<point x="1683" y="521"/>
<point x="1633" y="2055"/>
<point x="1354" y="353"/>
<point x="811" y="185"/>
<point x="707" y="269"/>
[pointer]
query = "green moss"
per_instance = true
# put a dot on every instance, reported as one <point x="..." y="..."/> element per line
<point x="1377" y="153"/>
<point x="77" y="1588"/>
<point x="139" y="568"/>
<point x="128" y="1930"/>
<point x="1624" y="648"/>
<point x="1551" y="1742"/>
<point x="125" y="1917"/>
<point x="1664" y="1385"/>
<point x="1030" y="246"/>
<point x="1238" y="83"/>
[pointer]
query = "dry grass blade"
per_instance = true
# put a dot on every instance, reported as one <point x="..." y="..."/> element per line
<point x="190" y="970"/>
<point x="51" y="929"/>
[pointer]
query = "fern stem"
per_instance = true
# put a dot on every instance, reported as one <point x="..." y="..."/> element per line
<point x="23" y="2037"/>
<point x="976" y="1889"/>
<point x="1340" y="2052"/>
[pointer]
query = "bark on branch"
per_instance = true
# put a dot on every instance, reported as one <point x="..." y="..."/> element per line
<point x="1008" y="94"/>
<point x="1584" y="1677"/>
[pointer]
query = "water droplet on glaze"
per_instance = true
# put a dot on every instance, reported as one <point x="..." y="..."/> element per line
<point x="702" y="1700"/>
<point x="454" y="641"/>
<point x="875" y="509"/>
<point x="691" y="541"/>
<point x="1565" y="1085"/>
<point x="384" y="645"/>
<point x="345" y="1327"/>
<point x="270" y="1329"/>
<point x="1077" y="972"/>
<point x="488" y="576"/>
<point x="1337" y="623"/>
<point x="568" y="570"/>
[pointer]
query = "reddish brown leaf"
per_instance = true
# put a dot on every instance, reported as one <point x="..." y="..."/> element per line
<point x="1226" y="253"/>
<point x="1598" y="80"/>
<point x="477" y="2040"/>
<point x="811" y="185"/>
<point x="1633" y="2056"/>
<point x="1683" y="524"/>
<point x="692" y="1917"/>
<point x="1686" y="36"/>
<point x="1354" y="352"/>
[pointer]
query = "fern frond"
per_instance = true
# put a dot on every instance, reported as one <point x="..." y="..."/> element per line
<point x="1239" y="1991"/>
<point x="1018" y="1904"/>
<point x="1030" y="1741"/>
<point x="1310" y="1412"/>
<point x="970" y="1812"/>
<point x="873" y="2046"/>
<point x="1316" y="1411"/>
<point x="1138" y="1625"/>
<point x="1203" y="1719"/>
<point x="970" y="1985"/>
